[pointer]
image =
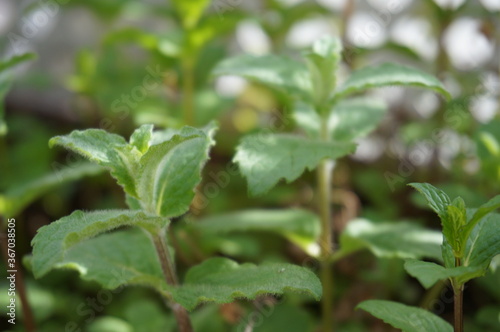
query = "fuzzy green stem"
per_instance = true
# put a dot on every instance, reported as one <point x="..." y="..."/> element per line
<point x="188" y="92"/>
<point x="458" y="290"/>
<point x="324" y="173"/>
<point x="168" y="268"/>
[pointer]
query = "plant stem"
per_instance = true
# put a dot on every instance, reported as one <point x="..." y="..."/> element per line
<point x="324" y="198"/>
<point x="188" y="92"/>
<point x="458" y="290"/>
<point x="29" y="320"/>
<point x="168" y="268"/>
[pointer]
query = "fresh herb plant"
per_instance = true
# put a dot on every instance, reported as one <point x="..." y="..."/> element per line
<point x="158" y="171"/>
<point x="470" y="241"/>
<point x="331" y="124"/>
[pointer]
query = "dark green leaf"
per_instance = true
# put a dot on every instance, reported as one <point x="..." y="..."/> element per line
<point x="51" y="243"/>
<point x="126" y="257"/>
<point x="408" y="319"/>
<point x="430" y="273"/>
<point x="222" y="280"/>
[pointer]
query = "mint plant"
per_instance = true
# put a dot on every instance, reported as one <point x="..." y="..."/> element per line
<point x="158" y="171"/>
<point x="331" y="124"/>
<point x="470" y="241"/>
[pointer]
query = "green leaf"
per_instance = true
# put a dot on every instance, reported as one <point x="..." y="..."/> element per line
<point x="402" y="240"/>
<point x="484" y="242"/>
<point x="16" y="199"/>
<point x="273" y="71"/>
<point x="170" y="171"/>
<point x="125" y="257"/>
<point x="190" y="11"/>
<point x="105" y="149"/>
<point x="323" y="61"/>
<point x="437" y="199"/>
<point x="141" y="138"/>
<point x="408" y="319"/>
<point x="480" y="213"/>
<point x="389" y="75"/>
<point x="430" y="273"/>
<point x="51" y="243"/>
<point x="265" y="159"/>
<point x="348" y="120"/>
<point x="222" y="280"/>
<point x="453" y="223"/>
<point x="299" y="226"/>
<point x="354" y="118"/>
<point x="158" y="169"/>
<point x="15" y="60"/>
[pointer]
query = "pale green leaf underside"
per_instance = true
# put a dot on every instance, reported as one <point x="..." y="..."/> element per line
<point x="408" y="319"/>
<point x="125" y="257"/>
<point x="348" y="120"/>
<point x="429" y="273"/>
<point x="402" y="240"/>
<point x="322" y="61"/>
<point x="222" y="280"/>
<point x="388" y="74"/>
<point x="273" y="71"/>
<point x="52" y="242"/>
<point x="299" y="226"/>
<point x="19" y="197"/>
<point x="265" y="159"/>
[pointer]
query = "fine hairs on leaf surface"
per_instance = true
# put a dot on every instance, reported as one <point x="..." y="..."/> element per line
<point x="52" y="241"/>
<point x="222" y="280"/>
<point x="159" y="172"/>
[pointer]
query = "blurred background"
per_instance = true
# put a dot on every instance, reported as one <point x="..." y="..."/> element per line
<point x="116" y="64"/>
